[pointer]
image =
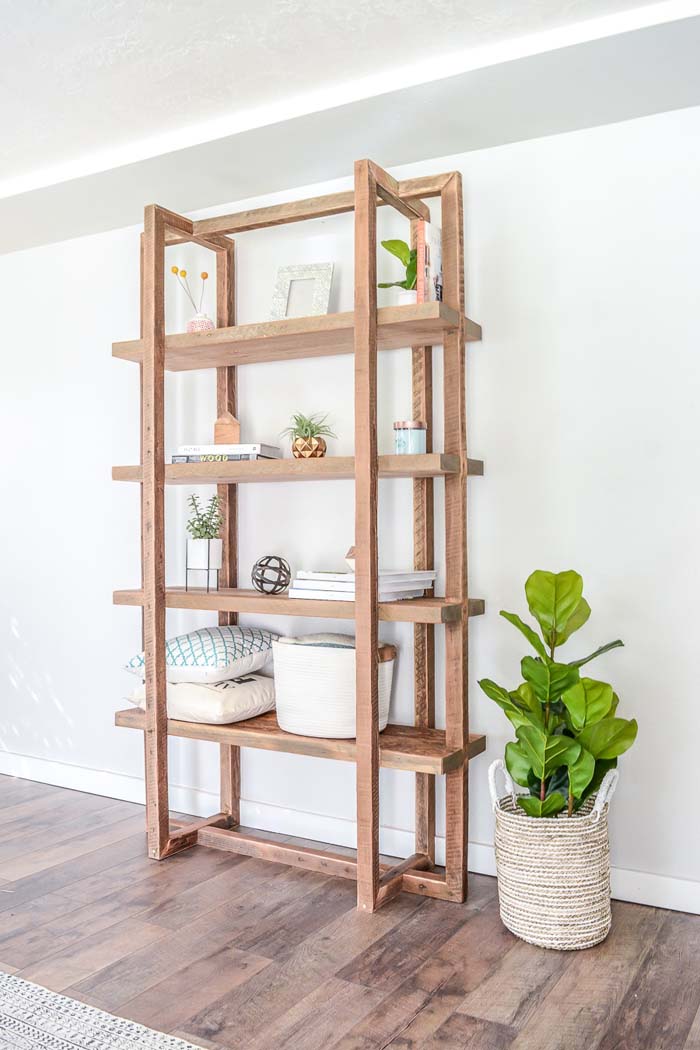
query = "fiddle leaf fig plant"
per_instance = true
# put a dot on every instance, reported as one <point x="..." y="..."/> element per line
<point x="568" y="734"/>
<point x="408" y="256"/>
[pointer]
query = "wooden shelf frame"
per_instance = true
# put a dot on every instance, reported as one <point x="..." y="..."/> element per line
<point x="425" y="751"/>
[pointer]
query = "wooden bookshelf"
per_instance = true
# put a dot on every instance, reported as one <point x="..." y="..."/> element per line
<point x="421" y="748"/>
<point x="329" y="468"/>
<point x="241" y="600"/>
<point x="295" y="337"/>
<point x="417" y="749"/>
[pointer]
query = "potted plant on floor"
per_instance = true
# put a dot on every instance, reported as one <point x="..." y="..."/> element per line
<point x="308" y="434"/>
<point x="552" y="855"/>
<point x="407" y="256"/>
<point x="204" y="543"/>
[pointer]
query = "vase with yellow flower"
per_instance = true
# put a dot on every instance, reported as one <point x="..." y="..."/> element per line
<point x="201" y="322"/>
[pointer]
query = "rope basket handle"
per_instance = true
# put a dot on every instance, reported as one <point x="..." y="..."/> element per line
<point x="495" y="767"/>
<point x="605" y="793"/>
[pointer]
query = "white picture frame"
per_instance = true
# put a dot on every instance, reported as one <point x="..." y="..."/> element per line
<point x="319" y="276"/>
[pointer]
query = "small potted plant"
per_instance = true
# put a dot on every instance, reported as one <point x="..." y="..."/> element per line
<point x="308" y="434"/>
<point x="201" y="322"/>
<point x="552" y="854"/>
<point x="408" y="256"/>
<point x="204" y="543"/>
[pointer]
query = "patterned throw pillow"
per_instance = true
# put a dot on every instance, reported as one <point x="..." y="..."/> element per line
<point x="213" y="654"/>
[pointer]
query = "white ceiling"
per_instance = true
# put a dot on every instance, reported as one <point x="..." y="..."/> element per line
<point x="78" y="79"/>
<point x="110" y="104"/>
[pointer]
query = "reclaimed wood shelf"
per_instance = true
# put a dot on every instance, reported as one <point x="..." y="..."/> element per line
<point x="424" y="324"/>
<point x="417" y="749"/>
<point x="329" y="468"/>
<point x="240" y="600"/>
<point x="421" y="748"/>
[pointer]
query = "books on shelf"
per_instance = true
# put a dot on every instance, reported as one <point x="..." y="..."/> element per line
<point x="428" y="262"/>
<point x="340" y="586"/>
<point x="269" y="451"/>
<point x="225" y="453"/>
<point x="349" y="596"/>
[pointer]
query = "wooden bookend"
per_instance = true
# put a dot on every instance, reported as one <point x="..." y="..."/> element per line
<point x="227" y="430"/>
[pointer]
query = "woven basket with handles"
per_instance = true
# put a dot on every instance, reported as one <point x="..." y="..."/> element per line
<point x="553" y="872"/>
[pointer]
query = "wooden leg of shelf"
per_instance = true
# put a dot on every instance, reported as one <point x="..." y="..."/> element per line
<point x="230" y="763"/>
<point x="153" y="532"/>
<point x="366" y="611"/>
<point x="227" y="401"/>
<point x="423" y="558"/>
<point x="456" y="634"/>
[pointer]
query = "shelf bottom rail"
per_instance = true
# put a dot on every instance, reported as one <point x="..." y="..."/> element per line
<point x="412" y="875"/>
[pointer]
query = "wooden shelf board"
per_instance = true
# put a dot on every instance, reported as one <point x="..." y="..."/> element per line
<point x="410" y="610"/>
<point x="401" y="747"/>
<point x="329" y="468"/>
<point x="424" y="324"/>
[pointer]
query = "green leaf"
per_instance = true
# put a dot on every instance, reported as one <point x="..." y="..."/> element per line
<point x="518" y="711"/>
<point x="400" y="249"/>
<point x="524" y="698"/>
<point x="613" y="706"/>
<point x="576" y="620"/>
<point x="581" y="773"/>
<point x="545" y="753"/>
<point x="552" y="599"/>
<point x="533" y="638"/>
<point x="517" y="763"/>
<point x="552" y="805"/>
<point x="598" y="652"/>
<point x="391" y="284"/>
<point x="588" y="701"/>
<point x="548" y="680"/>
<point x="608" y="738"/>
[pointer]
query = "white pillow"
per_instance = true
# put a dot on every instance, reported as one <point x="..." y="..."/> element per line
<point x="231" y="701"/>
<point x="213" y="654"/>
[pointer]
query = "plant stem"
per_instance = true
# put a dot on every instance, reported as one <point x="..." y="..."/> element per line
<point x="570" y="807"/>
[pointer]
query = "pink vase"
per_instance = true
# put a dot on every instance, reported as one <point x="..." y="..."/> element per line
<point x="200" y="323"/>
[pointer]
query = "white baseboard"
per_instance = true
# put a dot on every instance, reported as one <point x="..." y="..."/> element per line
<point x="640" y="887"/>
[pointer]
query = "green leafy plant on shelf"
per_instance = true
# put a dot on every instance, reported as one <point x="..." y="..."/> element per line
<point x="206" y="522"/>
<point x="568" y="734"/>
<point x="408" y="257"/>
<point x="307" y="427"/>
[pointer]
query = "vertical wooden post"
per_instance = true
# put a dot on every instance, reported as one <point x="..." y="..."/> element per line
<point x="366" y="611"/>
<point x="227" y="401"/>
<point x="456" y="634"/>
<point x="153" y="530"/>
<point x="423" y="633"/>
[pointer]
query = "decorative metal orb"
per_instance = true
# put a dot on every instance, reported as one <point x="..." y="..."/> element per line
<point x="271" y="574"/>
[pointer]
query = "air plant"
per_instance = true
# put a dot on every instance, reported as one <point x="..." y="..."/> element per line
<point x="184" y="284"/>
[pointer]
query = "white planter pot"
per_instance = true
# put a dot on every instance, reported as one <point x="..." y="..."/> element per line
<point x="407" y="298"/>
<point x="204" y="554"/>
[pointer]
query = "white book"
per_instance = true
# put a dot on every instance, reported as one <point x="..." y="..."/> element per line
<point x="349" y="596"/>
<point x="343" y="587"/>
<point x="426" y="576"/>
<point x="271" y="451"/>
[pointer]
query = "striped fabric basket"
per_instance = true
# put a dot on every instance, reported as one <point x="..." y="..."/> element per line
<point x="553" y="872"/>
<point x="315" y="688"/>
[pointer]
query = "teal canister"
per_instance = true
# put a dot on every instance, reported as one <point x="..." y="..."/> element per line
<point x="409" y="437"/>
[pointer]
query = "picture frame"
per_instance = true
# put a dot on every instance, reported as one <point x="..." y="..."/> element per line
<point x="303" y="290"/>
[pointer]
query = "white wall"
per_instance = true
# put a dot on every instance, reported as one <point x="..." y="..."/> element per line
<point x="583" y="269"/>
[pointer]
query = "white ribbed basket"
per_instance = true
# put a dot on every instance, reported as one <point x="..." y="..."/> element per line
<point x="553" y="872"/>
<point x="315" y="690"/>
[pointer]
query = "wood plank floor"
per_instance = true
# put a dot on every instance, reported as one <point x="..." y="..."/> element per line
<point x="233" y="952"/>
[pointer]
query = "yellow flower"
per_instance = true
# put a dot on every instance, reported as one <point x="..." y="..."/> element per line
<point x="174" y="269"/>
<point x="204" y="275"/>
<point x="183" y="273"/>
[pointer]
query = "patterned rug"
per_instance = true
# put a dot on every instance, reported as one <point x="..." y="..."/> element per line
<point x="32" y="1017"/>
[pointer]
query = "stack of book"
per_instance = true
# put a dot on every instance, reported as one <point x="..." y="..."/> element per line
<point x="224" y="453"/>
<point x="340" y="586"/>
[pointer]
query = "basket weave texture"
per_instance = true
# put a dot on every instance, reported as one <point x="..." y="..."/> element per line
<point x="554" y="875"/>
